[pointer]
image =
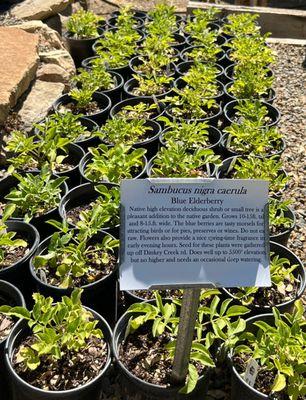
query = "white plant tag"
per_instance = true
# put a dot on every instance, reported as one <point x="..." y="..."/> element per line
<point x="251" y="372"/>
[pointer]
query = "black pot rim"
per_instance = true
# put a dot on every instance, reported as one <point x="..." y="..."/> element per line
<point x="126" y="371"/>
<point x="31" y="250"/>
<point x="208" y="119"/>
<point x="62" y="98"/>
<point x="53" y="394"/>
<point x="94" y="125"/>
<point x="192" y="62"/>
<point x="288" y="230"/>
<point x="67" y="36"/>
<point x="58" y="289"/>
<point x="119" y="85"/>
<point x="267" y="105"/>
<point x="84" y="162"/>
<point x="122" y="103"/>
<point x="158" y="96"/>
<point x="288" y="302"/>
<point x="267" y="100"/>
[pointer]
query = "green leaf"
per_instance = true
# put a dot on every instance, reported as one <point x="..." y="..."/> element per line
<point x="234" y="311"/>
<point x="279" y="383"/>
<point x="8" y="211"/>
<point x="192" y="380"/>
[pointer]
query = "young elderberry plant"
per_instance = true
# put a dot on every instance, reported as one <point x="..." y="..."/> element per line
<point x="250" y="84"/>
<point x="141" y="111"/>
<point x="283" y="280"/>
<point x="248" y="138"/>
<point x="278" y="222"/>
<point x="58" y="329"/>
<point x="97" y="79"/>
<point x="244" y="24"/>
<point x="207" y="52"/>
<point x="163" y="20"/>
<point x="202" y="77"/>
<point x="83" y="24"/>
<point x="189" y="104"/>
<point x="153" y="85"/>
<point x="125" y="20"/>
<point x="115" y="49"/>
<point x="74" y="259"/>
<point x="8" y="242"/>
<point x="191" y="135"/>
<point x="103" y="212"/>
<point x="164" y="320"/>
<point x="252" y="110"/>
<point x="113" y="164"/>
<point x="279" y="349"/>
<point x="269" y="169"/>
<point x="251" y="51"/>
<point x="34" y="195"/>
<point x="199" y="21"/>
<point x="175" y="162"/>
<point x="82" y="97"/>
<point x="127" y="131"/>
<point x="48" y="146"/>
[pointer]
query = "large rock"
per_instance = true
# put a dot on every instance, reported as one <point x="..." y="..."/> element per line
<point x="19" y="60"/>
<point x="53" y="73"/>
<point x="59" y="57"/>
<point x="39" y="101"/>
<point x="39" y="9"/>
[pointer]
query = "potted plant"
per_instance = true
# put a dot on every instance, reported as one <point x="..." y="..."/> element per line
<point x="288" y="284"/>
<point x="244" y="24"/>
<point x="163" y="20"/>
<point x="98" y="79"/>
<point x="87" y="203"/>
<point x="82" y="31"/>
<point x="94" y="105"/>
<point x="33" y="197"/>
<point x="49" y="148"/>
<point x="209" y="52"/>
<point x="269" y="169"/>
<point x="183" y="68"/>
<point x="247" y="138"/>
<point x="48" y="341"/>
<point x="189" y="105"/>
<point x="158" y="86"/>
<point x="79" y="129"/>
<point x="125" y="19"/>
<point x="137" y="132"/>
<point x="192" y="135"/>
<point x="277" y="344"/>
<point x="9" y="294"/>
<point x="86" y="258"/>
<point x="142" y="107"/>
<point x="257" y="111"/>
<point x="174" y="161"/>
<point x="200" y="19"/>
<point x="281" y="221"/>
<point x="156" y="323"/>
<point x="112" y="164"/>
<point x="18" y="241"/>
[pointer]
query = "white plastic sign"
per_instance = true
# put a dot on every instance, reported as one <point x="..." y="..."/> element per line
<point x="193" y="232"/>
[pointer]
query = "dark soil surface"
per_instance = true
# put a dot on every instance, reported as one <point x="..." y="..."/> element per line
<point x="12" y="255"/>
<point x="91" y="108"/>
<point x="72" y="371"/>
<point x="73" y="215"/>
<point x="146" y="357"/>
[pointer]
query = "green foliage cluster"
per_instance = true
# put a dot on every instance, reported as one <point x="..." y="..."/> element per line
<point x="83" y="24"/>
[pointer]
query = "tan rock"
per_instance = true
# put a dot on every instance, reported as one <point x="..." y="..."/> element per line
<point x="19" y="60"/>
<point x="61" y="58"/>
<point x="39" y="101"/>
<point x="52" y="73"/>
<point x="39" y="9"/>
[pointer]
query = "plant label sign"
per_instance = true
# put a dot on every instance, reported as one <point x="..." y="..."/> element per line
<point x="194" y="233"/>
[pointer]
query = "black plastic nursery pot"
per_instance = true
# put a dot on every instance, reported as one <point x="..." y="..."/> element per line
<point x="90" y="141"/>
<point x="227" y="151"/>
<point x="139" y="23"/>
<point x="75" y="154"/>
<point x="136" y="13"/>
<point x="185" y="55"/>
<point x="18" y="273"/>
<point x="134" y="62"/>
<point x="101" y="99"/>
<point x="269" y="97"/>
<point x="239" y="388"/>
<point x="82" y="195"/>
<point x="299" y="273"/>
<point x="100" y="295"/>
<point x="115" y="94"/>
<point x="132" y="83"/>
<point x="133" y="101"/>
<point x="135" y="388"/>
<point x="40" y="222"/>
<point x="179" y="42"/>
<point x="283" y="236"/>
<point x="183" y="67"/>
<point x="22" y="390"/>
<point x="214" y="136"/>
<point x="9" y="295"/>
<point x="230" y="112"/>
<point x="88" y="158"/>
<point x="124" y="71"/>
<point x="80" y="48"/>
<point x="212" y="120"/>
<point x="229" y="72"/>
<point x="179" y="83"/>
